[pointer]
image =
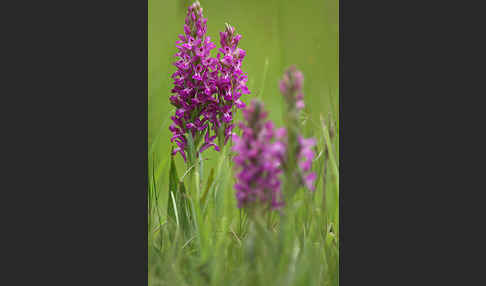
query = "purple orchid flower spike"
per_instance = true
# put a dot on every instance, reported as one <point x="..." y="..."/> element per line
<point x="291" y="87"/>
<point x="232" y="80"/>
<point x="257" y="161"/>
<point x="306" y="155"/>
<point x="298" y="168"/>
<point x="195" y="73"/>
<point x="206" y="90"/>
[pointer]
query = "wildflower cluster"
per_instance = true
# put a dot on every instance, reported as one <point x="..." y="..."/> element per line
<point x="207" y="92"/>
<point x="263" y="153"/>
<point x="258" y="160"/>
<point x="205" y="88"/>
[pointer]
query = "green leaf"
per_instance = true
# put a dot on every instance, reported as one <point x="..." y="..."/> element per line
<point x="184" y="208"/>
<point x="178" y="203"/>
<point x="173" y="199"/>
<point x="333" y="162"/>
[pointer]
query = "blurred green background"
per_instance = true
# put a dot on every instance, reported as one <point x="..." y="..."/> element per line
<point x="276" y="34"/>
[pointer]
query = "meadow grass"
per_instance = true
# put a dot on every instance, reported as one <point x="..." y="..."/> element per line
<point x="224" y="247"/>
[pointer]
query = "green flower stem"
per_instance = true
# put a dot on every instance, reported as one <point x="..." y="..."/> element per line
<point x="291" y="171"/>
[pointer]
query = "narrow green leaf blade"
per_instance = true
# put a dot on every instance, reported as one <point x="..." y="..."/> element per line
<point x="173" y="186"/>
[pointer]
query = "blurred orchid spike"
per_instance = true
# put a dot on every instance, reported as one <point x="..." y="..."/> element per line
<point x="257" y="160"/>
<point x="291" y="87"/>
<point x="299" y="155"/>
